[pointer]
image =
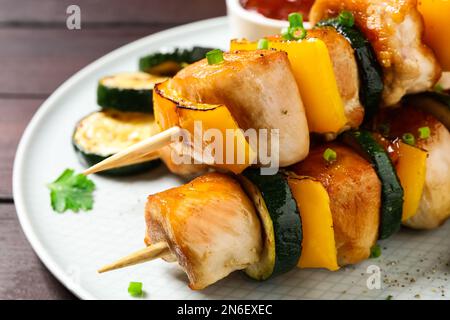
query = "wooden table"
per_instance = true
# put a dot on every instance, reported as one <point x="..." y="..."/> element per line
<point x="38" y="53"/>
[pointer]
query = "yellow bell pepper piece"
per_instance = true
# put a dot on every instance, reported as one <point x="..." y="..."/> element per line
<point x="411" y="169"/>
<point x="171" y="110"/>
<point x="436" y="15"/>
<point x="318" y="246"/>
<point x="313" y="71"/>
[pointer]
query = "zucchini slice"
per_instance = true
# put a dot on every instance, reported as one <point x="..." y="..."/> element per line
<point x="130" y="91"/>
<point x="435" y="103"/>
<point x="104" y="133"/>
<point x="391" y="189"/>
<point x="281" y="222"/>
<point x="369" y="69"/>
<point x="168" y="64"/>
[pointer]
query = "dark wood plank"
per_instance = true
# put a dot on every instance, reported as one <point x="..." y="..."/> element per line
<point x="37" y="61"/>
<point x="22" y="275"/>
<point x="15" y="116"/>
<point x="110" y="11"/>
<point x="16" y="113"/>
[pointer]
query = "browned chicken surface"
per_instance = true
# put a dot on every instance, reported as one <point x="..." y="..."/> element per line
<point x="355" y="192"/>
<point x="259" y="89"/>
<point x="394" y="28"/>
<point x="434" y="206"/>
<point x="210" y="225"/>
<point x="345" y="70"/>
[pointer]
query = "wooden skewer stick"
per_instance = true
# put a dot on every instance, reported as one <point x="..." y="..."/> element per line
<point x="135" y="153"/>
<point x="152" y="252"/>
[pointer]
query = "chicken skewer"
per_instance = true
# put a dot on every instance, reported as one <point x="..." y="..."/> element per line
<point x="379" y="24"/>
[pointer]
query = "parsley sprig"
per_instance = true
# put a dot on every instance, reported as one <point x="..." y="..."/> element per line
<point x="71" y="191"/>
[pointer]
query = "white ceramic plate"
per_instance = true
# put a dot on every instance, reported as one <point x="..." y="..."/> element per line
<point x="74" y="246"/>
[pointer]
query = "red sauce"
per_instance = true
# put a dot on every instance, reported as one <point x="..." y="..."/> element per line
<point x="279" y="9"/>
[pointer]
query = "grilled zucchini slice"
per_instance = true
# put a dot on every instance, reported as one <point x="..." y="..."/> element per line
<point x="370" y="73"/>
<point x="168" y="64"/>
<point x="391" y="189"/>
<point x="104" y="133"/>
<point x="130" y="91"/>
<point x="280" y="218"/>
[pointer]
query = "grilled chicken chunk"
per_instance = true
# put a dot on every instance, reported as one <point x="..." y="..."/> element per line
<point x="183" y="169"/>
<point x="355" y="192"/>
<point x="210" y="225"/>
<point x="345" y="70"/>
<point x="395" y="30"/>
<point x="434" y="207"/>
<point x="260" y="91"/>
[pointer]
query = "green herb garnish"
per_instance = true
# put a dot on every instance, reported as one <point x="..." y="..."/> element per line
<point x="424" y="132"/>
<point x="296" y="30"/>
<point x="347" y="19"/>
<point x="329" y="155"/>
<point x="263" y="44"/>
<point x="409" y="139"/>
<point x="214" y="56"/>
<point x="438" y="88"/>
<point x="375" y="251"/>
<point x="71" y="191"/>
<point x="135" y="289"/>
<point x="389" y="297"/>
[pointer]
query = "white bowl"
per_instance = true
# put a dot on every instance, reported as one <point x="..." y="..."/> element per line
<point x="250" y="24"/>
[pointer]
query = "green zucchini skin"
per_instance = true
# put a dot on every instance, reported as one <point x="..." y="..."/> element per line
<point x="130" y="100"/>
<point x="391" y="189"/>
<point x="370" y="73"/>
<point x="435" y="103"/>
<point x="285" y="216"/>
<point x="178" y="56"/>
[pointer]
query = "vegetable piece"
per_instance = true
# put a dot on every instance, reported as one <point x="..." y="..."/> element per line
<point x="135" y="289"/>
<point x="102" y="134"/>
<point x="214" y="56"/>
<point x="316" y="81"/>
<point x="172" y="110"/>
<point x="168" y="64"/>
<point x="329" y="155"/>
<point x="434" y="103"/>
<point x="375" y="251"/>
<point x="436" y="16"/>
<point x="281" y="222"/>
<point x="71" y="191"/>
<point x="130" y="91"/>
<point x="392" y="191"/>
<point x="409" y="139"/>
<point x="318" y="245"/>
<point x="370" y="74"/>
<point x="346" y="18"/>
<point x="296" y="30"/>
<point x="411" y="168"/>
<point x="263" y="44"/>
<point x="424" y="132"/>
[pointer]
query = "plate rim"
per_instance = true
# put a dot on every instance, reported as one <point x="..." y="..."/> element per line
<point x="25" y="140"/>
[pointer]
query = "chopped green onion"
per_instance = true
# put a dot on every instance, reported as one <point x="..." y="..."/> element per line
<point x="298" y="33"/>
<point x="295" y="19"/>
<point x="286" y="34"/>
<point x="409" y="139"/>
<point x="329" y="155"/>
<point x="214" y="56"/>
<point x="424" y="132"/>
<point x="346" y="18"/>
<point x="263" y="44"/>
<point x="375" y="251"/>
<point x="389" y="297"/>
<point x="135" y="289"/>
<point x="295" y="31"/>
<point x="438" y="88"/>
